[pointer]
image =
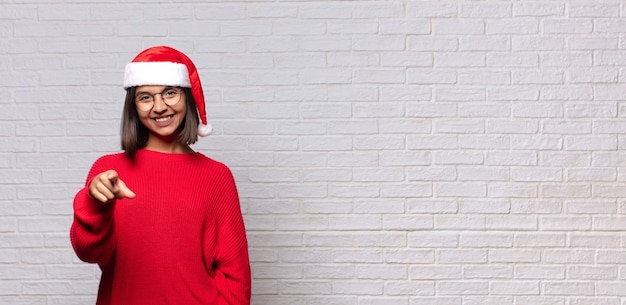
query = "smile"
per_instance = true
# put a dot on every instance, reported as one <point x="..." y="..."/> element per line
<point x="163" y="119"/>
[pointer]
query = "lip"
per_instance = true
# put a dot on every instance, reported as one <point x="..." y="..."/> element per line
<point x="163" y="121"/>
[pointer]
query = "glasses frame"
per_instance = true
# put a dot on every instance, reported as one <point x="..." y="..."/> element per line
<point x="153" y="98"/>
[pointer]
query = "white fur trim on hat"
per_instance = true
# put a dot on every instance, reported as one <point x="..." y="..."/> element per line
<point x="156" y="73"/>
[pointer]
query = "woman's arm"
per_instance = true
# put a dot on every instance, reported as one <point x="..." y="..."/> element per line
<point x="232" y="265"/>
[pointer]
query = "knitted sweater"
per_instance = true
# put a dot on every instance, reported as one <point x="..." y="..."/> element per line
<point x="181" y="240"/>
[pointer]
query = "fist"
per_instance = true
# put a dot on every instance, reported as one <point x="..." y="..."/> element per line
<point x="107" y="186"/>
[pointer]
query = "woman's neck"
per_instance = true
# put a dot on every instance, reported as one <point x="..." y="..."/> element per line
<point x="167" y="146"/>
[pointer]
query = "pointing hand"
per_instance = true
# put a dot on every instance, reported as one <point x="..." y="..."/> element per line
<point x="107" y="186"/>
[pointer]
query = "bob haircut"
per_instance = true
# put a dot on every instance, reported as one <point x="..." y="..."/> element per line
<point x="134" y="135"/>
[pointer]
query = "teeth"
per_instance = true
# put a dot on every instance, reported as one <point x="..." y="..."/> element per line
<point x="163" y="119"/>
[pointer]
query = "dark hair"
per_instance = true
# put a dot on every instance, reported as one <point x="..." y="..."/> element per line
<point x="134" y="135"/>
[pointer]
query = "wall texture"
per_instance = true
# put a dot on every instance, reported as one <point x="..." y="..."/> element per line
<point x="386" y="152"/>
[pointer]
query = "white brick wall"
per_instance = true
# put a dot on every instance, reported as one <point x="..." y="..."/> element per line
<point x="387" y="152"/>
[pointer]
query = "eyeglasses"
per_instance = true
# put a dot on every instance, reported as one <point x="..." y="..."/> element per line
<point x="170" y="96"/>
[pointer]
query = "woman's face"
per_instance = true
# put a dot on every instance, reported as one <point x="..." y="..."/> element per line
<point x="161" y="109"/>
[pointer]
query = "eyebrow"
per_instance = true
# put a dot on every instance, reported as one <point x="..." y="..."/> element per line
<point x="148" y="92"/>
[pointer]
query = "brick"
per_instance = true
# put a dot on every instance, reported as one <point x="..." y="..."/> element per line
<point x="479" y="206"/>
<point x="540" y="239"/>
<point x="593" y="10"/>
<point x="479" y="240"/>
<point x="592" y="43"/>
<point x="247" y="28"/>
<point x="379" y="76"/>
<point x="335" y="271"/>
<point x="456" y="158"/>
<point x="378" y="175"/>
<point x="290" y="61"/>
<point x="304" y="191"/>
<point x="431" y="9"/>
<point x="586" y="207"/>
<point x="362" y="93"/>
<point x="519" y="94"/>
<point x="509" y="190"/>
<point x="514" y="256"/>
<point x="431" y="110"/>
<point x="309" y="223"/>
<point x="430" y="239"/>
<point x="386" y="206"/>
<point x="487" y="10"/>
<point x="384" y="272"/>
<point x="269" y="10"/>
<point x="357" y="287"/>
<point x="266" y="144"/>
<point x="352" y="59"/>
<point x="19" y="272"/>
<point x="301" y="158"/>
<point x="401" y="126"/>
<point x="572" y="223"/>
<point x="405" y="26"/>
<point x="265" y="44"/>
<point x="327" y="143"/>
<point x="395" y="222"/>
<point x="326" y="76"/>
<point x="417" y="43"/>
<point x="431" y="174"/>
<point x="354" y="191"/>
<point x="322" y="44"/>
<point x="456" y="126"/>
<point x="466" y="222"/>
<point x="538" y="43"/>
<point x="327" y="174"/>
<point x="573" y="59"/>
<point x="479" y="43"/>
<point x="530" y="206"/>
<point x="598" y="240"/>
<point x="512" y="60"/>
<point x="564" y="288"/>
<point x="385" y="300"/>
<point x="540" y="272"/>
<point x="458" y="27"/>
<point x="460" y="94"/>
<point x="349" y="27"/>
<point x="220" y="12"/>
<point x="515" y="287"/>
<point x="538" y="9"/>
<point x="488" y="272"/>
<point x="508" y="26"/>
<point x="18" y="12"/>
<point x="463" y="287"/>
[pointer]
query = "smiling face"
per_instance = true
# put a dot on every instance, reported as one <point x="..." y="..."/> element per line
<point x="164" y="118"/>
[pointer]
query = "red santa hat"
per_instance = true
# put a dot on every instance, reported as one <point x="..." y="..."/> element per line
<point x="166" y="66"/>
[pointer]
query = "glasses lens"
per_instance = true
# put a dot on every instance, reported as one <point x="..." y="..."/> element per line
<point x="144" y="101"/>
<point x="171" y="96"/>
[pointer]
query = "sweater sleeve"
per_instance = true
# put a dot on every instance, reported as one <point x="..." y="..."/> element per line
<point x="232" y="265"/>
<point x="92" y="233"/>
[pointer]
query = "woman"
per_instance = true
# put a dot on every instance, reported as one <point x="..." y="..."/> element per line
<point x="163" y="222"/>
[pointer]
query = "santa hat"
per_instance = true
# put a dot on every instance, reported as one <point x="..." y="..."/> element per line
<point x="166" y="66"/>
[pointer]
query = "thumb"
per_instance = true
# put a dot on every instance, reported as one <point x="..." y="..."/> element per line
<point x="119" y="187"/>
<point x="112" y="176"/>
<point x="124" y="191"/>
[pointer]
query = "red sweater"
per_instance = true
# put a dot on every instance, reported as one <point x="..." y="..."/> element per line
<point x="180" y="241"/>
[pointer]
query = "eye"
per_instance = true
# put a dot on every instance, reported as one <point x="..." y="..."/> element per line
<point x="170" y="93"/>
<point x="144" y="98"/>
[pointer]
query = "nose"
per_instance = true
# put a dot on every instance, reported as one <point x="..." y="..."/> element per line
<point x="159" y="104"/>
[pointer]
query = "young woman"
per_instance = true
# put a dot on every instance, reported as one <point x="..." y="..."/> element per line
<point x="163" y="222"/>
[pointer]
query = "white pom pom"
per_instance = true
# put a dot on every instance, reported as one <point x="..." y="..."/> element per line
<point x="204" y="130"/>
